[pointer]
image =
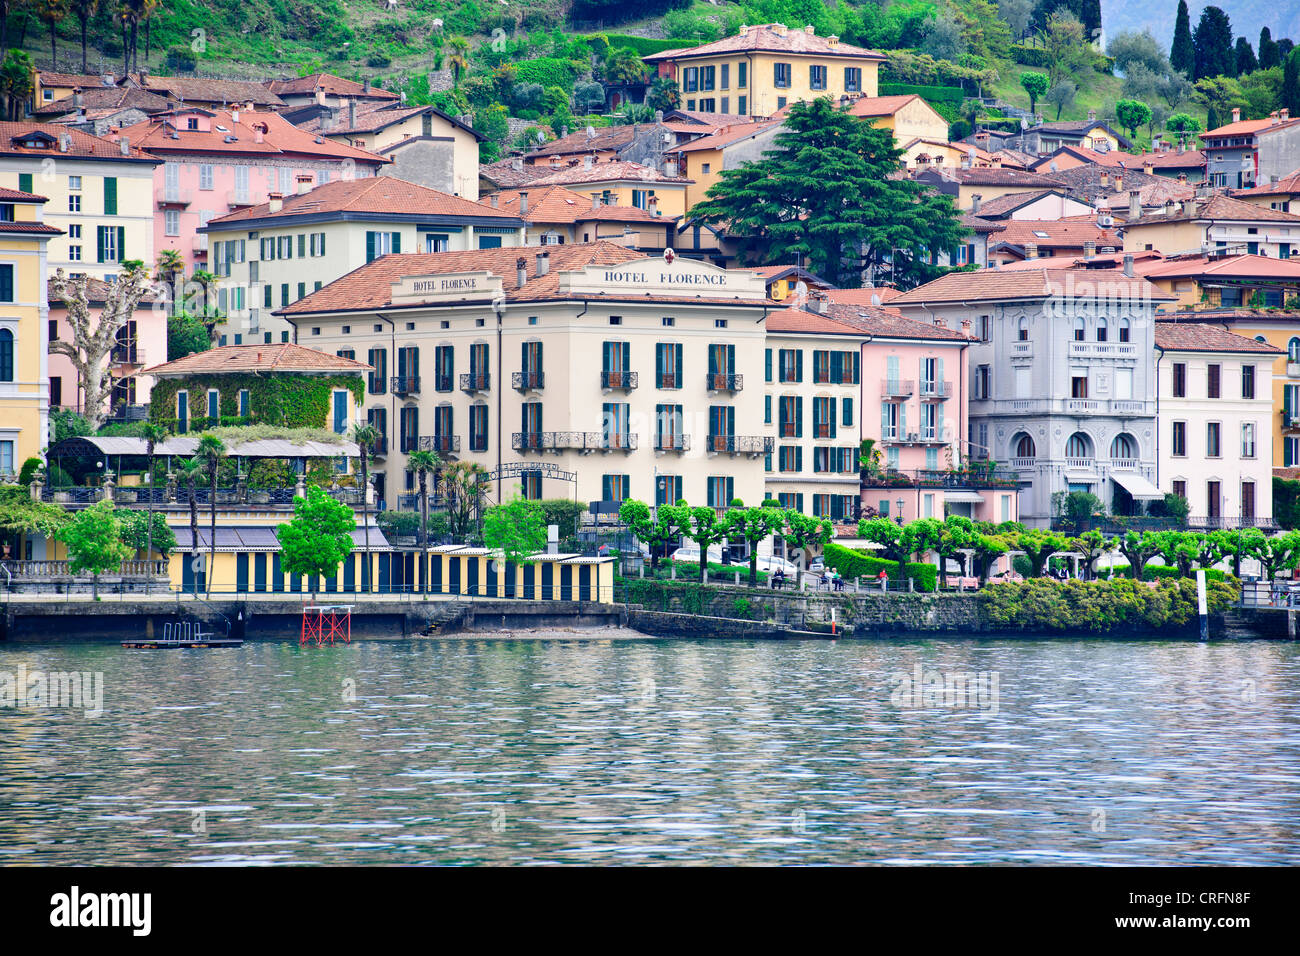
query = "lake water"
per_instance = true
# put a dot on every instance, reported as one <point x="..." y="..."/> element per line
<point x="588" y="750"/>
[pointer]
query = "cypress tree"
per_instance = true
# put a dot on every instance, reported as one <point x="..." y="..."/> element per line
<point x="1212" y="120"/>
<point x="1212" y="45"/>
<point x="1284" y="48"/>
<point x="1090" y="15"/>
<point x="1180" y="55"/>
<point x="1289" y="96"/>
<point x="1245" y="57"/>
<point x="1268" y="55"/>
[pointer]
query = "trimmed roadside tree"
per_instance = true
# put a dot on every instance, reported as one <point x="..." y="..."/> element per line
<point x="650" y="529"/>
<point x="1036" y="85"/>
<point x="752" y="525"/>
<point x="318" y="538"/>
<point x="94" y="541"/>
<point x="705" y="528"/>
<point x="517" y="529"/>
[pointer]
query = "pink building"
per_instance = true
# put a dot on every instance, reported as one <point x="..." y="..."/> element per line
<point x="217" y="161"/>
<point x="141" y="342"/>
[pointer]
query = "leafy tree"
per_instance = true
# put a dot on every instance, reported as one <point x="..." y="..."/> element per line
<point x="705" y="528"/>
<point x="465" y="485"/>
<point x="1064" y="45"/>
<point x="65" y="423"/>
<point x="1091" y="545"/>
<point x="623" y="65"/>
<point x="19" y="514"/>
<point x="752" y="525"/>
<point x="83" y="10"/>
<point x="826" y="194"/>
<point x="94" y="540"/>
<point x="1278" y="553"/>
<point x="152" y="435"/>
<point x="52" y="13"/>
<point x="190" y="473"/>
<point x="146" y="531"/>
<point x="365" y="437"/>
<point x="492" y="124"/>
<point x="318" y="538"/>
<point x="588" y="97"/>
<point x="663" y="94"/>
<point x="424" y="463"/>
<point x="1017" y="14"/>
<point x="517" y="529"/>
<point x="987" y="548"/>
<point x="16" y="80"/>
<point x="1132" y="114"/>
<point x="458" y="58"/>
<point x="944" y="39"/>
<point x="1062" y="95"/>
<point x="1268" y="52"/>
<point x="1289" y="96"/>
<point x="1245" y="57"/>
<point x="186" y="334"/>
<point x="1036" y="85"/>
<point x="804" y="531"/>
<point x="1038" y="546"/>
<point x="653" y="528"/>
<point x="1184" y="125"/>
<point x="954" y="540"/>
<point x="1182" y="55"/>
<point x="211" y="452"/>
<point x="1219" y="94"/>
<point x="894" y="543"/>
<point x="1212" y="45"/>
<point x="1138" y="547"/>
<point x="1090" y="15"/>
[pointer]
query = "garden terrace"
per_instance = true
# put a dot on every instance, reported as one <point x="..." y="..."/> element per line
<point x="974" y="476"/>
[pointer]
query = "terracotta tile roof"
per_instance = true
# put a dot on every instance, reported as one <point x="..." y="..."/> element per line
<point x="616" y="171"/>
<point x="31" y="228"/>
<point x="979" y="225"/>
<point x="1250" y="316"/>
<point x="870" y="296"/>
<point x="991" y="176"/>
<point x="1172" y="159"/>
<point x="83" y="80"/>
<point x="1175" y="336"/>
<point x="1242" y="266"/>
<point x="82" y="145"/>
<point x="769" y="37"/>
<point x="1080" y="127"/>
<point x="776" y="273"/>
<point x="697" y="118"/>
<point x="802" y="321"/>
<point x="112" y="98"/>
<point x="504" y="174"/>
<point x="1220" y="208"/>
<point x="1288" y="184"/>
<point x="373" y="194"/>
<point x="609" y="137"/>
<point x="555" y="204"/>
<point x="327" y="83"/>
<point x="980" y="155"/>
<point x="14" y="195"/>
<point x="880" y="105"/>
<point x="280" y="137"/>
<point x="1142" y="261"/>
<point x="1247" y="127"/>
<point x="281" y="357"/>
<point x="998" y="285"/>
<point x="725" y="137"/>
<point x="1085" y="184"/>
<point x="370" y="287"/>
<point x="194" y="90"/>
<point x="1000" y="206"/>
<point x="888" y="323"/>
<point x="1072" y="231"/>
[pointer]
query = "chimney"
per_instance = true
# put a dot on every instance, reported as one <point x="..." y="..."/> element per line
<point x="1128" y="265"/>
<point x="652" y="205"/>
<point x="1089" y="248"/>
<point x="523" y="202"/>
<point x="76" y="99"/>
<point x="586" y="161"/>
<point x="234" y="115"/>
<point x="276" y="201"/>
<point x="1191" y="207"/>
<point x="64" y="142"/>
<point x="517" y="165"/>
<point x="1236" y="114"/>
<point x="352" y="114"/>
<point x="124" y="144"/>
<point x="365" y="85"/>
<point x="1284" y="114"/>
<point x="543" y="263"/>
<point x="810" y="30"/>
<point x="1134" y="205"/>
<point x="1169" y="207"/>
<point x="1092" y="116"/>
<point x="833" y="41"/>
<point x="258" y="135"/>
<point x="1148" y="168"/>
<point x="521" y="272"/>
<point x="997" y="161"/>
<point x="1272" y="179"/>
<point x="595" y="201"/>
<point x="1119" y="182"/>
<point x="495" y="199"/>
<point x="975" y="201"/>
<point x="304" y="183"/>
<point x="1105" y="179"/>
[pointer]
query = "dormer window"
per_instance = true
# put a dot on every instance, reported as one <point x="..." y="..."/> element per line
<point x="191" y="122"/>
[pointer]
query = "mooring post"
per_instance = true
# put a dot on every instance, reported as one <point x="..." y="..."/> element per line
<point x="737" y="579"/>
<point x="640" y="572"/>
<point x="672" y="571"/>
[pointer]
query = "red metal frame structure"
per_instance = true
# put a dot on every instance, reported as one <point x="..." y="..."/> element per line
<point x="325" y="623"/>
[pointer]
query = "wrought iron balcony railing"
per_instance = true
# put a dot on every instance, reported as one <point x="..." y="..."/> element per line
<point x="406" y="384"/>
<point x="672" y="443"/>
<point x="526" y="381"/>
<point x="742" y="444"/>
<point x="475" y="382"/>
<point x="725" y="382"/>
<point x="624" y="380"/>
<point x="442" y="444"/>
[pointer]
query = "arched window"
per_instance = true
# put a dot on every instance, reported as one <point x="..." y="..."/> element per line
<point x="1101" y="330"/>
<point x="1260" y="339"/>
<point x="1079" y="446"/>
<point x="1078" y="329"/>
<point x="1024" y="447"/>
<point x="1293" y="350"/>
<point x="1124" y="327"/>
<point x="6" y="356"/>
<point x="1124" y="446"/>
<point x="1023" y="330"/>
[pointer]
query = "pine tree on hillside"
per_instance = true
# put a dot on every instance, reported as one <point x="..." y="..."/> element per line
<point x="1245" y="57"/>
<point x="1212" y="51"/>
<point x="1268" y="56"/>
<point x="1181" y="55"/>
<point x="1289" y="96"/>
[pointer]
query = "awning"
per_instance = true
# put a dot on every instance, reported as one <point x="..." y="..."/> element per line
<point x="971" y="497"/>
<point x="259" y="538"/>
<point x="1137" y="486"/>
<point x="1081" y="477"/>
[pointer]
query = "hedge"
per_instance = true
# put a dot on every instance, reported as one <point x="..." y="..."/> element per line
<point x="1155" y="572"/>
<point x="546" y="70"/>
<point x="1030" y="55"/>
<point x="854" y="564"/>
<point x="643" y="45"/>
<point x="1043" y="604"/>
<point x="952" y="95"/>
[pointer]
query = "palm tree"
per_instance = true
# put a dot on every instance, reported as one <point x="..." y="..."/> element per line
<point x="189" y="472"/>
<point x="205" y="280"/>
<point x="83" y="10"/>
<point x="210" y="453"/>
<point x="169" y="264"/>
<point x="52" y="12"/>
<point x="458" y="59"/>
<point x="365" y="436"/>
<point x="148" y="13"/>
<point x="422" y="463"/>
<point x="152" y="435"/>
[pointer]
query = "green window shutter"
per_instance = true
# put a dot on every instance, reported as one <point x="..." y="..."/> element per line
<point x="302" y="245"/>
<point x="731" y="362"/>
<point x="677" y="365"/>
<point x="606" y="487"/>
<point x="831" y="410"/>
<point x="397" y="242"/>
<point x="767" y="365"/>
<point x="798" y="417"/>
<point x="939" y="374"/>
<point x="322" y="243"/>
<point x="848" y="412"/>
<point x="627" y="352"/>
<point x="6" y="285"/>
<point x="370" y="246"/>
<point x="938" y="420"/>
<point x="110" y="195"/>
<point x="121" y="243"/>
<point x="767" y="409"/>
<point x="857" y="366"/>
<point x="25" y="182"/>
<point x="798" y="457"/>
<point x="713" y="362"/>
<point x="837" y="367"/>
<point x="798" y="365"/>
<point x="659" y="363"/>
<point x="99" y="241"/>
<point x="731" y="490"/>
<point x="266" y="295"/>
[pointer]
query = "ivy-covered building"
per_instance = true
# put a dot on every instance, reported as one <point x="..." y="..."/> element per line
<point x="283" y="384"/>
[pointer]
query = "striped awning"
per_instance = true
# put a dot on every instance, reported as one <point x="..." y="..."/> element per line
<point x="258" y="538"/>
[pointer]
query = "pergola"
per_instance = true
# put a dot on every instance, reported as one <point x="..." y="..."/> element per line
<point x="102" y="450"/>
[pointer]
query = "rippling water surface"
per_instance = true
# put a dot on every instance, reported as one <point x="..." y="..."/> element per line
<point x="638" y="751"/>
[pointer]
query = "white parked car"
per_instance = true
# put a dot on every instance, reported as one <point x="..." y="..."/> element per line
<point x="689" y="553"/>
<point x="772" y="563"/>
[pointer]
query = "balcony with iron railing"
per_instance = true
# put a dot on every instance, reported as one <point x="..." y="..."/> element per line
<point x="626" y="381"/>
<point x="897" y="389"/>
<point x="237" y="199"/>
<point x="173" y="196"/>
<point x="379" y="447"/>
<point x="668" y="380"/>
<point x="585" y="442"/>
<point x="672" y="442"/>
<point x="936" y="390"/>
<point x="526" y="381"/>
<point x="471" y="382"/>
<point x="976" y="475"/>
<point x="1290" y="419"/>
<point x="922" y="437"/>
<point x="442" y="444"/>
<point x="443" y="382"/>
<point x="405" y="385"/>
<point x="725" y="382"/>
<point x="741" y="444"/>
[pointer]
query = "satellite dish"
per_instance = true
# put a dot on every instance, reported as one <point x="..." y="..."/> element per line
<point x="541" y="137"/>
<point x="875" y="299"/>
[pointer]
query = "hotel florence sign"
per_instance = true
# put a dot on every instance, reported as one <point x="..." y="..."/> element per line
<point x="452" y="286"/>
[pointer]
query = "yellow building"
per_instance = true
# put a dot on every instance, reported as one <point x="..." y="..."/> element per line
<point x="703" y="160"/>
<point x="907" y="117"/>
<point x="51" y="86"/>
<point x="622" y="183"/>
<point x="100" y="194"/>
<point x="1225" y="282"/>
<point x="765" y="67"/>
<point x="1220" y="224"/>
<point x="24" y="329"/>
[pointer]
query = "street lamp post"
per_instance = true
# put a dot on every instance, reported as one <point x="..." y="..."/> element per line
<point x="899" y="502"/>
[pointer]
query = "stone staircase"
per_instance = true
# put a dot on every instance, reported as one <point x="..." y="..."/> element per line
<point x="448" y="618"/>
